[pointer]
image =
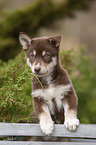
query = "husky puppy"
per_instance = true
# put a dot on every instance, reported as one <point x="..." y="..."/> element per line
<point x="58" y="100"/>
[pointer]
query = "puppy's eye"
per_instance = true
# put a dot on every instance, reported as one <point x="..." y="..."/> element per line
<point x="47" y="57"/>
<point x="32" y="57"/>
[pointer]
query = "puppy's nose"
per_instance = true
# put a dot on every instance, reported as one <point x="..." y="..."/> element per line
<point x="37" y="69"/>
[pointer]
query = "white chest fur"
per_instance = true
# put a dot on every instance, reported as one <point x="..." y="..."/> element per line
<point x="52" y="92"/>
<point x="48" y="94"/>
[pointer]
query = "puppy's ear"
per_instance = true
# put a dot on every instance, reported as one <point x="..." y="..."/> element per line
<point x="55" y="41"/>
<point x="25" y="40"/>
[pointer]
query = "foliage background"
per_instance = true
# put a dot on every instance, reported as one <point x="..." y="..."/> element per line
<point x="15" y="75"/>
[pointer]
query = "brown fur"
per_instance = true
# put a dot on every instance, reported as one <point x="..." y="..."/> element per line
<point x="70" y="98"/>
<point x="59" y="76"/>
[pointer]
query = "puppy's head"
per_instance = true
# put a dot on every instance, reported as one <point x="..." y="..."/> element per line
<point x="41" y="53"/>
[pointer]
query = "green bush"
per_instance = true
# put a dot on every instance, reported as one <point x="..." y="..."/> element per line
<point x="15" y="86"/>
<point x="15" y="90"/>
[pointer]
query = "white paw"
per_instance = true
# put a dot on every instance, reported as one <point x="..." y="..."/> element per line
<point x="71" y="124"/>
<point x="47" y="126"/>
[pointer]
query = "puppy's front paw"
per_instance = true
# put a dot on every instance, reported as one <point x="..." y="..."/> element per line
<point x="71" y="124"/>
<point x="47" y="126"/>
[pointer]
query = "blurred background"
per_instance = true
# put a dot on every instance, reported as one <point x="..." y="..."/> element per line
<point x="75" y="21"/>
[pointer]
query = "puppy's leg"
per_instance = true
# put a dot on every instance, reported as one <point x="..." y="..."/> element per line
<point x="70" y="108"/>
<point x="42" y="112"/>
<point x="46" y="122"/>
